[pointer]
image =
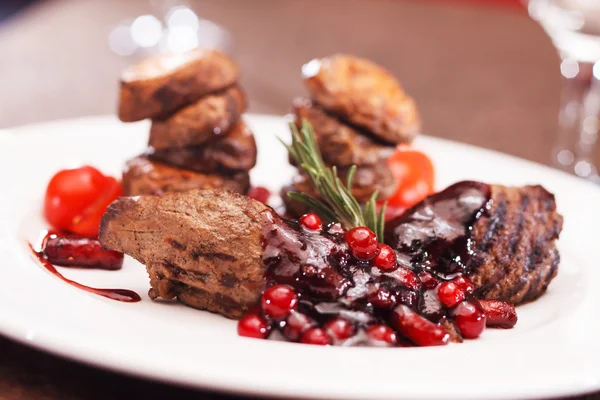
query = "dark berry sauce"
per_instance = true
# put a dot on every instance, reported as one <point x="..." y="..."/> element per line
<point x="418" y="294"/>
<point x="91" y="257"/>
<point x="435" y="235"/>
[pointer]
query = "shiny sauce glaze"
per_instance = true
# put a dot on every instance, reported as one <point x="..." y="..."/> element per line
<point x="342" y="300"/>
<point x="435" y="235"/>
<point x="123" y="295"/>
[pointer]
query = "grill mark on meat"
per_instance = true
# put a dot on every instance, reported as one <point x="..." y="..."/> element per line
<point x="546" y="274"/>
<point x="179" y="272"/>
<point x="540" y="277"/>
<point x="495" y="224"/>
<point x="174" y="243"/>
<point x="554" y="265"/>
<point x="532" y="263"/>
<point x="196" y="254"/>
<point x="533" y="258"/>
<point x="516" y="235"/>
<point x="228" y="280"/>
<point x="226" y="302"/>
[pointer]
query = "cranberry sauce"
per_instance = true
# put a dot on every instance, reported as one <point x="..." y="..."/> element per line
<point x="328" y="286"/>
<point x="434" y="235"/>
<point x="73" y="251"/>
<point x="123" y="295"/>
<point x="81" y="252"/>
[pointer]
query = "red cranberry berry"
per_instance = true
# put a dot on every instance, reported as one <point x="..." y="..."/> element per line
<point x="277" y="301"/>
<point x="311" y="222"/>
<point x="464" y="283"/>
<point x="386" y="260"/>
<point x="259" y="193"/>
<point x="339" y="328"/>
<point x="408" y="278"/>
<point x="417" y="329"/>
<point x="470" y="319"/>
<point x="253" y="325"/>
<point x="499" y="314"/>
<point x="450" y="294"/>
<point x="363" y="243"/>
<point x="382" y="298"/>
<point x="382" y="333"/>
<point x="296" y="324"/>
<point x="428" y="281"/>
<point x="316" y="336"/>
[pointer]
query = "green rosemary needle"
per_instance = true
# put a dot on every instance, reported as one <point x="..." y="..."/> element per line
<point x="337" y="204"/>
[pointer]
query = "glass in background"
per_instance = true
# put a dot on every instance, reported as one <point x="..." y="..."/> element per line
<point x="170" y="27"/>
<point x="574" y="27"/>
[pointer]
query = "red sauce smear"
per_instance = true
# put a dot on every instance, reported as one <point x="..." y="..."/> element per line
<point x="124" y="295"/>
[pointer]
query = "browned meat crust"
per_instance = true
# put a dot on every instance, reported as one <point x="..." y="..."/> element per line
<point x="364" y="94"/>
<point x="233" y="152"/>
<point x="516" y="243"/>
<point x="144" y="176"/>
<point x="162" y="84"/>
<point x="340" y="144"/>
<point x="209" y="118"/>
<point x="367" y="180"/>
<point x="202" y="247"/>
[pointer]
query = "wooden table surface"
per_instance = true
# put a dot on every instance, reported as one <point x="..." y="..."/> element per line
<point x="481" y="74"/>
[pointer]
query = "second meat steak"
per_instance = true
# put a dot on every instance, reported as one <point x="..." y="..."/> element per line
<point x="197" y="139"/>
<point x="233" y="152"/>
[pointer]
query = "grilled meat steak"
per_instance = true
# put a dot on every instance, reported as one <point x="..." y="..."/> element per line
<point x="516" y="242"/>
<point x="207" y="119"/>
<point x="340" y="144"/>
<point x="145" y="176"/>
<point x="160" y="85"/>
<point x="203" y="247"/>
<point x="234" y="152"/>
<point x="365" y="94"/>
<point x="502" y="238"/>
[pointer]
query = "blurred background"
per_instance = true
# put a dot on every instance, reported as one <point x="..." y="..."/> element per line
<point x="482" y="71"/>
<point x="516" y="76"/>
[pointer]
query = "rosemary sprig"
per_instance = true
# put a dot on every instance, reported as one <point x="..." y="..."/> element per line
<point x="338" y="203"/>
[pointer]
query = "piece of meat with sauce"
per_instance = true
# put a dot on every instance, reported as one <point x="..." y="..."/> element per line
<point x="202" y="247"/>
<point x="145" y="176"/>
<point x="207" y="119"/>
<point x="218" y="250"/>
<point x="365" y="94"/>
<point x="162" y="84"/>
<point x="339" y="143"/>
<point x="234" y="152"/>
<point x="502" y="238"/>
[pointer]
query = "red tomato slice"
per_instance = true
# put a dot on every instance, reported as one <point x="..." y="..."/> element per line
<point x="87" y="223"/>
<point x="414" y="172"/>
<point x="76" y="199"/>
<point x="69" y="192"/>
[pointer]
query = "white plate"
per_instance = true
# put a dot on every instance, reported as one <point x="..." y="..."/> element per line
<point x="553" y="351"/>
